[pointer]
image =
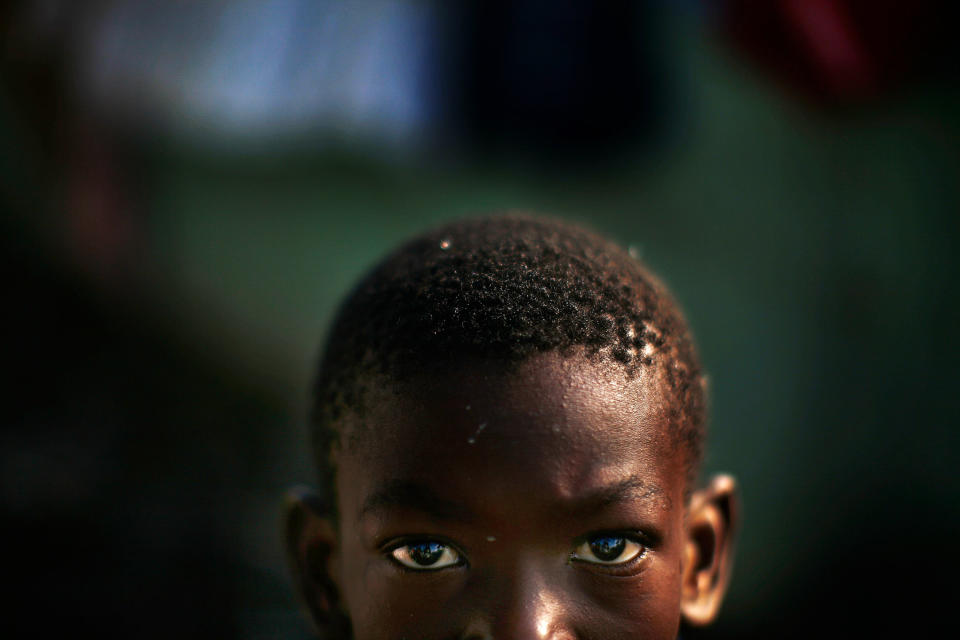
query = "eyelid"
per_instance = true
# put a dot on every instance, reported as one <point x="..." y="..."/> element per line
<point x="641" y="537"/>
<point x="450" y="557"/>
<point x="636" y="546"/>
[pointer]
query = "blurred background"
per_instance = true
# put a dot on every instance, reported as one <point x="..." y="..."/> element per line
<point x="188" y="189"/>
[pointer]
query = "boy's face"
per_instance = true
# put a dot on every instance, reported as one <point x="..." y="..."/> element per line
<point x="544" y="503"/>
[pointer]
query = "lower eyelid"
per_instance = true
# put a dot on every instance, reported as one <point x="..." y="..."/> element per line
<point x="607" y="567"/>
<point x="628" y="569"/>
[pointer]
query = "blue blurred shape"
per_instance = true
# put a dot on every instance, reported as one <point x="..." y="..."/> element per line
<point x="266" y="69"/>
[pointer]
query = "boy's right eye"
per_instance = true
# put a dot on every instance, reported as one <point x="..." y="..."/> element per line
<point x="426" y="555"/>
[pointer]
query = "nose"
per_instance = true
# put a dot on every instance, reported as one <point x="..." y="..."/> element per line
<point x="527" y="604"/>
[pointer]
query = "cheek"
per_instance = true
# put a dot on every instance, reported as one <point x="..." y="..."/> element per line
<point x="646" y="605"/>
<point x="384" y="602"/>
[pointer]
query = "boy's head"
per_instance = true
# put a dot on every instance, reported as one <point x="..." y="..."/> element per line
<point x="509" y="419"/>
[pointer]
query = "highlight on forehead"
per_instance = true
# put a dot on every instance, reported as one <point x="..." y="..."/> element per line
<point x="545" y="376"/>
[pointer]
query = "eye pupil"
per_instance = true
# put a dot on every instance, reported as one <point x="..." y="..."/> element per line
<point x="426" y="553"/>
<point x="608" y="548"/>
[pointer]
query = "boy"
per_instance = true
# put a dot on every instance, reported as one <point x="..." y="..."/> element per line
<point x="509" y="417"/>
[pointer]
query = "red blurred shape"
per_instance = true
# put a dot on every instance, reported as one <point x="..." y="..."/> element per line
<point x="833" y="43"/>
<point x="838" y="51"/>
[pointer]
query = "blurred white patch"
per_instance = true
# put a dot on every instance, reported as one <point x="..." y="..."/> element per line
<point x="258" y="69"/>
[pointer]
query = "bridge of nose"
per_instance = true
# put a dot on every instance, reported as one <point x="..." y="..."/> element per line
<point x="529" y="602"/>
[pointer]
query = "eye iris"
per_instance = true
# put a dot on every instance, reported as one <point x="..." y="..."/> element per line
<point x="607" y="548"/>
<point x="425" y="553"/>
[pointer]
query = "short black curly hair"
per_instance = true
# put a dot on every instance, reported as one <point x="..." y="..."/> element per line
<point x="502" y="288"/>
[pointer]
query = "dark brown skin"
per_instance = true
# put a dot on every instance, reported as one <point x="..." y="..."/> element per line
<point x="501" y="490"/>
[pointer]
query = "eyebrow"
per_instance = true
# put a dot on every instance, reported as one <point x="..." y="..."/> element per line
<point x="407" y="494"/>
<point x="632" y="489"/>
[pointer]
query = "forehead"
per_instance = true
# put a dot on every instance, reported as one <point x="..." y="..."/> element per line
<point x="554" y="424"/>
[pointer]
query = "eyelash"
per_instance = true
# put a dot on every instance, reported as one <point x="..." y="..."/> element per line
<point x="626" y="568"/>
<point x="390" y="549"/>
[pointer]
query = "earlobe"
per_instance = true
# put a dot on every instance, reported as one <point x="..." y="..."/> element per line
<point x="310" y="538"/>
<point x="708" y="554"/>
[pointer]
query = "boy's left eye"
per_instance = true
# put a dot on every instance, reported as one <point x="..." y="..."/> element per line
<point x="608" y="549"/>
<point x="426" y="555"/>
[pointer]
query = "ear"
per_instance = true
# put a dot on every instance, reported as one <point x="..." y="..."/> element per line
<point x="310" y="537"/>
<point x="708" y="553"/>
